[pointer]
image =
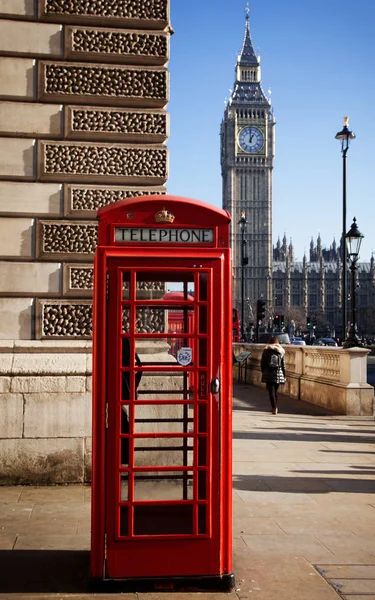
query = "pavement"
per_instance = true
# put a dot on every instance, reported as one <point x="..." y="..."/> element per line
<point x="303" y="514"/>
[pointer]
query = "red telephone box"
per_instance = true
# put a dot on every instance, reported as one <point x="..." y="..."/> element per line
<point x="162" y="481"/>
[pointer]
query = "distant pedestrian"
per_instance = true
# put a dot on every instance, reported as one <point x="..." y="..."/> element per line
<point x="273" y="369"/>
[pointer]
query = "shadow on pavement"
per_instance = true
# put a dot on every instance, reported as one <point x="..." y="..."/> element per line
<point x="53" y="571"/>
<point x="303" y="485"/>
<point x="255" y="398"/>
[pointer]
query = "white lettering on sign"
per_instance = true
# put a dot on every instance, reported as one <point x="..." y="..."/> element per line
<point x="164" y="236"/>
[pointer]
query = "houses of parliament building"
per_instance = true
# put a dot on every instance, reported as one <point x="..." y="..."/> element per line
<point x="297" y="289"/>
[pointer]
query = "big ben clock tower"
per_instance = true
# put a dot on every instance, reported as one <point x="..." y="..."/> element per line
<point x="247" y="152"/>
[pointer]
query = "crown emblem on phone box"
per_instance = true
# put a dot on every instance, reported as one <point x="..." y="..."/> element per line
<point x="164" y="216"/>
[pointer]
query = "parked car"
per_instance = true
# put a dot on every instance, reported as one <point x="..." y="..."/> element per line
<point x="282" y="337"/>
<point x="298" y="341"/>
<point x="325" y="342"/>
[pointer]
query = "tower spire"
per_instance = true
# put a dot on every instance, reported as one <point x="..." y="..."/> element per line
<point x="247" y="11"/>
<point x="247" y="86"/>
<point x="247" y="56"/>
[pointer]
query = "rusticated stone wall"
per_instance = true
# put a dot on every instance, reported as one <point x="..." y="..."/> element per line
<point x="84" y="88"/>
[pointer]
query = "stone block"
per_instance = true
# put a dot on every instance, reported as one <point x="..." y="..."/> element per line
<point x="84" y="200"/>
<point x="91" y="83"/>
<point x="75" y="384"/>
<point x="26" y="278"/>
<point x="109" y="163"/>
<point x="30" y="198"/>
<point x="17" y="158"/>
<point x="5" y="384"/>
<point x="41" y="461"/>
<point x="17" y="78"/>
<point x="16" y="321"/>
<point x="33" y="384"/>
<point x="17" y="8"/>
<point x="72" y="347"/>
<point x="57" y="415"/>
<point x="43" y="364"/>
<point x="360" y="401"/>
<point x="140" y="47"/>
<point x="11" y="422"/>
<point x="16" y="237"/>
<point x="30" y="38"/>
<point x="31" y="119"/>
<point x="6" y="360"/>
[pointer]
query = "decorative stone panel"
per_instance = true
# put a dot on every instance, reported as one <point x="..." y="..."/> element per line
<point x="135" y="13"/>
<point x="104" y="84"/>
<point x="127" y="125"/>
<point x="147" y="320"/>
<point x="64" y="318"/>
<point x="66" y="238"/>
<point x="60" y="161"/>
<point x="78" y="279"/>
<point x="116" y="45"/>
<point x="84" y="200"/>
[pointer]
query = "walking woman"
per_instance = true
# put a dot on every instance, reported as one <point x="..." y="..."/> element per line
<point x="273" y="369"/>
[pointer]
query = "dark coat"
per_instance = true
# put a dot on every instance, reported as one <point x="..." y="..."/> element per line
<point x="271" y="375"/>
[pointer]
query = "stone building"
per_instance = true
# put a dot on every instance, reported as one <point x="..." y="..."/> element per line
<point x="311" y="287"/>
<point x="83" y="123"/>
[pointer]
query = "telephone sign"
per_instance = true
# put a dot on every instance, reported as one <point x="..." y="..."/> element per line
<point x="164" y="236"/>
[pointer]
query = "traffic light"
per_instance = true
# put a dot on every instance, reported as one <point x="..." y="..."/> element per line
<point x="276" y="320"/>
<point x="314" y="321"/>
<point x="261" y="310"/>
<point x="308" y="323"/>
<point x="282" y="321"/>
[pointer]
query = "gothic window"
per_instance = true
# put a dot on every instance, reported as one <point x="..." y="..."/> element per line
<point x="278" y="293"/>
<point x="295" y="299"/>
<point x="363" y="300"/>
<point x="330" y="301"/>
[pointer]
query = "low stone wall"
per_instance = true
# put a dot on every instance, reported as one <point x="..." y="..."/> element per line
<point x="45" y="424"/>
<point x="46" y="409"/>
<point x="333" y="378"/>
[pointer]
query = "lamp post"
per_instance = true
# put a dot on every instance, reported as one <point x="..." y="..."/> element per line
<point x="353" y="239"/>
<point x="244" y="260"/>
<point x="344" y="136"/>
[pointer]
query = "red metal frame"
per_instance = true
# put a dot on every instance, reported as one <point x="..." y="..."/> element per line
<point x="115" y="556"/>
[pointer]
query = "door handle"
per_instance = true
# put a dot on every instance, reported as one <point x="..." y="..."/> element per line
<point x="215" y="385"/>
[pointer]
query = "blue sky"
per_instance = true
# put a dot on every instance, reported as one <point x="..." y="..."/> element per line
<point x="318" y="59"/>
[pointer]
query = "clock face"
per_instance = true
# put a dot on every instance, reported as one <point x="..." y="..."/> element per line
<point x="250" y="139"/>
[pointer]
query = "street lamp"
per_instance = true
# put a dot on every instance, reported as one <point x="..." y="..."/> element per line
<point x="353" y="239"/>
<point x="244" y="260"/>
<point x="344" y="136"/>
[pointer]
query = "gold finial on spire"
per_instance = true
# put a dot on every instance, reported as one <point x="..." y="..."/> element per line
<point x="247" y="11"/>
<point x="346" y="121"/>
